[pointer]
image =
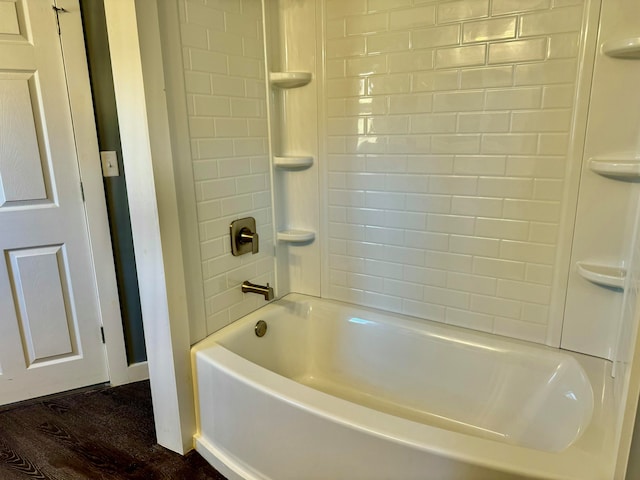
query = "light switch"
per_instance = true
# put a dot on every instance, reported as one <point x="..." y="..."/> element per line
<point x="109" y="164"/>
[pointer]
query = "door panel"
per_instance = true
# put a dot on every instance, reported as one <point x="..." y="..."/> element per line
<point x="49" y="317"/>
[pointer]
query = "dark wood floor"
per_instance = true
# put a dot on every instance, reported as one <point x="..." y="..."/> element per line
<point x="104" y="433"/>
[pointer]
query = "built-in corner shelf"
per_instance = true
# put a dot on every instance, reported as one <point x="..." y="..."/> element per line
<point x="622" y="48"/>
<point x="296" y="236"/>
<point x="289" y="79"/>
<point x="291" y="162"/>
<point x="603" y="275"/>
<point x="622" y="168"/>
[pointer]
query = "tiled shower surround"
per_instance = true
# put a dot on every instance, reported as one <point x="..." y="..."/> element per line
<point x="224" y="75"/>
<point x="448" y="129"/>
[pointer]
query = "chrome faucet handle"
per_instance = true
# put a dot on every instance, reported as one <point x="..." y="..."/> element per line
<point x="247" y="236"/>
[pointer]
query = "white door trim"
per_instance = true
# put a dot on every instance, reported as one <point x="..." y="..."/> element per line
<point x="139" y="88"/>
<point x="80" y="99"/>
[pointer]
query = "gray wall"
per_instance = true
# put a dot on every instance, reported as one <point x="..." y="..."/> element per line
<point x="97" y="46"/>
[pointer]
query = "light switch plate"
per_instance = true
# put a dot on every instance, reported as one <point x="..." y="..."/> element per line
<point x="109" y="164"/>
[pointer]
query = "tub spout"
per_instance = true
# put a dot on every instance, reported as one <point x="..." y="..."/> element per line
<point x="248" y="287"/>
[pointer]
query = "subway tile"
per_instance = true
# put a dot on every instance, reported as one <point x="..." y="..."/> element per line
<point x="335" y="68"/>
<point x="541" y="121"/>
<point x="369" y="65"/>
<point x="213" y="189"/>
<point x="446" y="297"/>
<point x="456" y="144"/>
<point x="427" y="240"/>
<point x="495" y="306"/>
<point x="345" y="87"/>
<point x="383" y="269"/>
<point x="461" y="56"/>
<point x="558" y="96"/>
<point x="458" y="101"/>
<point x="384" y="235"/>
<point x="471" y="283"/>
<point x="197" y="82"/>
<point x="564" y="45"/>
<point x="433" y="164"/>
<point x="498" y="268"/>
<point x="204" y="16"/>
<point x="413" y="103"/>
<point x="494" y="29"/>
<point x="388" y="84"/>
<point x="206" y="61"/>
<point x="210" y="106"/>
<point x="518" y="51"/>
<point x="450" y="224"/>
<point x="538" y="167"/>
<point x="335" y="28"/>
<point x="479" y="164"/>
<point x="401" y="289"/>
<point x="214" y="148"/>
<point x="522" y="330"/>
<point x="553" y="143"/>
<point x="225" y="42"/>
<point x="194" y="36"/>
<point x="544" y="233"/>
<point x="433" y="123"/>
<point x="369" y="23"/>
<point x="439" y="36"/>
<point x="502" y="228"/>
<point x="509" y="143"/>
<point x="425" y="276"/>
<point x="412" y="17"/>
<point x="435" y="313"/>
<point x="428" y="203"/>
<point x="243" y="66"/>
<point x="411" y="61"/>
<point x="558" y="20"/>
<point x="533" y="313"/>
<point x="200" y="127"/>
<point x="524" y="291"/>
<point x="231" y="127"/>
<point x="507" y="187"/>
<point x="434" y="81"/>
<point x="406" y="183"/>
<point x="467" y="319"/>
<point x="340" y="8"/>
<point x="388" y="125"/>
<point x="527" y="252"/>
<point x="345" y="47"/>
<point x="462" y="10"/>
<point x="486" y="77"/>
<point x="388" y="42"/>
<point x="542" y="274"/>
<point x="513" y="98"/>
<point x="544" y="73"/>
<point x="500" y="7"/>
<point x="545" y="189"/>
<point x="453" y="185"/>
<point x="486" y="247"/>
<point x="483" y="122"/>
<point x="239" y="24"/>
<point x="223" y="85"/>
<point x="476" y="206"/>
<point x="532" y="210"/>
<point x="385" y="164"/>
<point x="452" y="262"/>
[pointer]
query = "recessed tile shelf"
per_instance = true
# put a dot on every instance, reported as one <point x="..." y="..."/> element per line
<point x="289" y="79"/>
<point x="291" y="162"/>
<point x="296" y="236"/>
<point x="622" y="48"/>
<point x="624" y="168"/>
<point x="603" y="275"/>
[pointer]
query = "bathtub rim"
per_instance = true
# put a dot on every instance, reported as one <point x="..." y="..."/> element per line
<point x="574" y="463"/>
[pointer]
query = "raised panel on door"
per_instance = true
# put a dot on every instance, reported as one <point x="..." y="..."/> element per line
<point x="49" y="315"/>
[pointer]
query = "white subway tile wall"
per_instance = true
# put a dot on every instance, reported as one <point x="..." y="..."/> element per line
<point x="448" y="127"/>
<point x="224" y="73"/>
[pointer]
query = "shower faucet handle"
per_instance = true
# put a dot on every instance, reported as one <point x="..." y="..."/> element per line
<point x="244" y="237"/>
<point x="247" y="236"/>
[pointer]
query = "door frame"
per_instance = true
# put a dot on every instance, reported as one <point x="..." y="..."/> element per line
<point x="86" y="143"/>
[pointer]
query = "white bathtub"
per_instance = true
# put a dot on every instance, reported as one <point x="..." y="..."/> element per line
<point x="334" y="391"/>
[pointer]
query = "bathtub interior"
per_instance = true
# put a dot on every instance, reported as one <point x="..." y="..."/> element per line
<point x="446" y="377"/>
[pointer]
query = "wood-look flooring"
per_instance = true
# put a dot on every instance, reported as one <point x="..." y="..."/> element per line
<point x="96" y="434"/>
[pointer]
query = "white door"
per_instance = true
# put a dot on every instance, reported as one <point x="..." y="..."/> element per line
<point x="50" y="338"/>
